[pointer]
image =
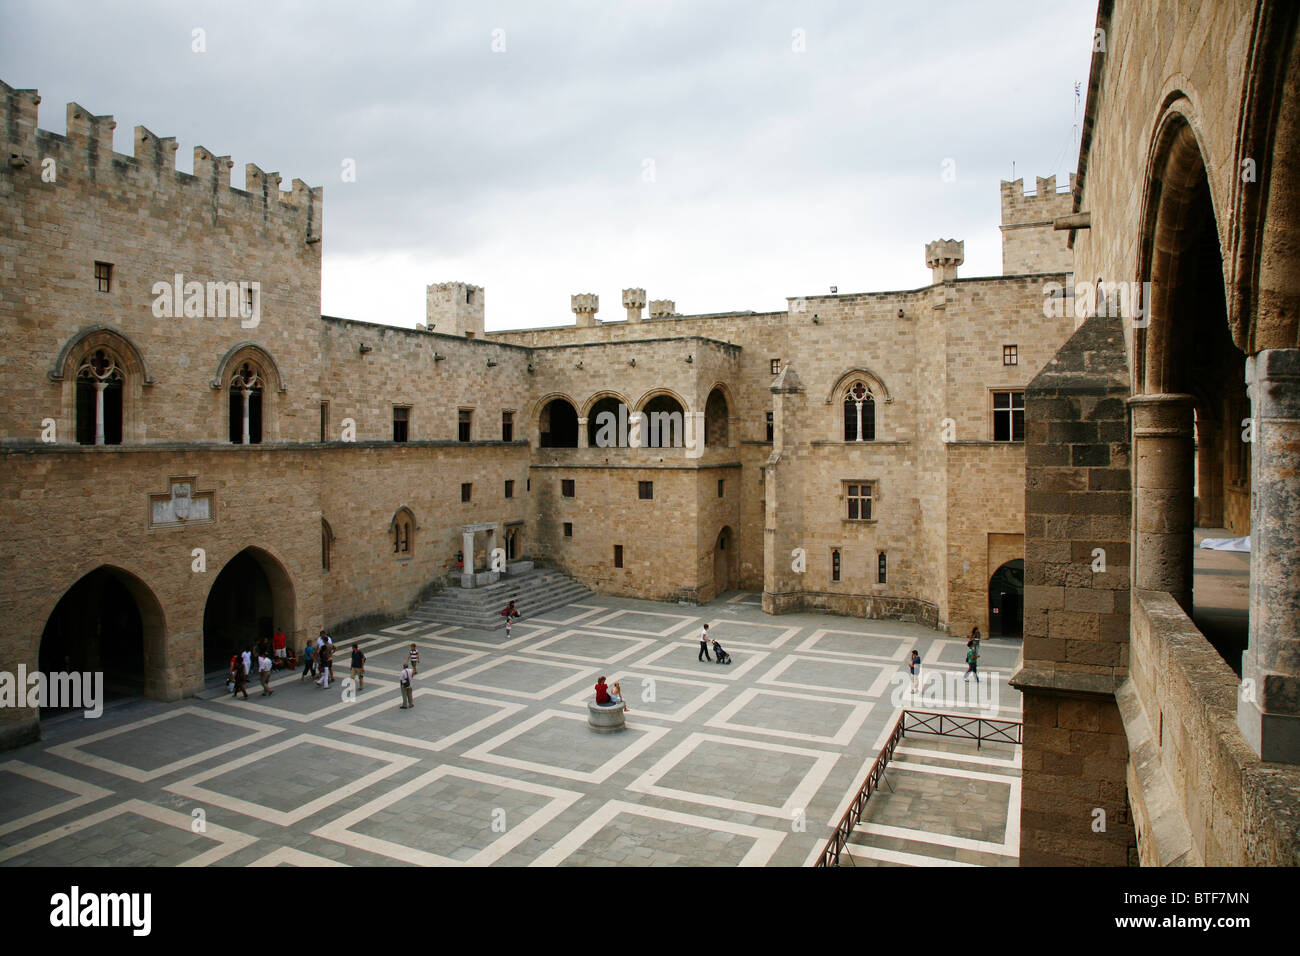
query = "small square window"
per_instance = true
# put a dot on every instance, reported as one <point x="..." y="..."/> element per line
<point x="645" y="490"/>
<point x="566" y="487"/>
<point x="466" y="490"/>
<point x="103" y="276"/>
<point x="771" y="427"/>
<point x="507" y="426"/>
<point x="568" y="529"/>
<point x="464" y="419"/>
<point x="858" y="495"/>
<point x="401" y="422"/>
<point x="618" y="555"/>
<point x="775" y="365"/>
<point x="1010" y="355"/>
<point x="510" y="489"/>
<point x="722" y="487"/>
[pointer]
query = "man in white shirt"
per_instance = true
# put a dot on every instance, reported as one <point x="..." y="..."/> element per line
<point x="704" y="645"/>
<point x="408" y="697"/>
<point x="264" y="674"/>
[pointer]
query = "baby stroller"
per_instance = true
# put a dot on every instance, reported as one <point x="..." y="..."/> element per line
<point x="722" y="656"/>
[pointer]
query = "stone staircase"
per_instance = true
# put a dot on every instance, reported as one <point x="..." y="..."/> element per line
<point x="534" y="592"/>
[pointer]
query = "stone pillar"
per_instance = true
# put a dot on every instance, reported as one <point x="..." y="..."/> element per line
<point x="1163" y="499"/>
<point x="1209" y="473"/>
<point x="99" y="414"/>
<point x="1268" y="710"/>
<point x="582" y="432"/>
<point x="467" y="572"/>
<point x="491" y="546"/>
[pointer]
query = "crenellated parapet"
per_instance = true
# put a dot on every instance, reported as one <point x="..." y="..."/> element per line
<point x="85" y="154"/>
<point x="1029" y="242"/>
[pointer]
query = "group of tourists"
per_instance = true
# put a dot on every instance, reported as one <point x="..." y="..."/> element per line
<point x="245" y="663"/>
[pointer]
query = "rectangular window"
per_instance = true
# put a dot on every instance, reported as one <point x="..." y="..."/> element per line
<point x="401" y="422"/>
<point x="566" y="487"/>
<point x="645" y="490"/>
<point x="507" y="426"/>
<point x="464" y="418"/>
<point x="510" y="489"/>
<point x="859" y="498"/>
<point x="835" y="564"/>
<point x="881" y="568"/>
<point x="466" y="490"/>
<point x="103" y="276"/>
<point x="775" y="365"/>
<point x="528" y="484"/>
<point x="324" y="421"/>
<point x="1010" y="355"/>
<point x="1008" y="416"/>
<point x="771" y="427"/>
<point x="618" y="555"/>
<point x="568" y="529"/>
<point x="722" y="487"/>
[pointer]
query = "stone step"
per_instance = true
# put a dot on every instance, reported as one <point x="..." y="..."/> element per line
<point x="534" y="592"/>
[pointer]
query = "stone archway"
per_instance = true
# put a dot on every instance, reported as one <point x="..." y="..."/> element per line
<point x="109" y="621"/>
<point x="250" y="598"/>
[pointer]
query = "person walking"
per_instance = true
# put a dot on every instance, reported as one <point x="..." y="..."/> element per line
<point x="358" y="671"/>
<point x="309" y="661"/>
<point x="408" y="695"/>
<point x="247" y="657"/>
<point x="264" y="674"/>
<point x="326" y="665"/>
<point x="704" y="645"/>
<point x="241" y="677"/>
<point x="413" y="659"/>
<point x="914" y="666"/>
<point x="972" y="661"/>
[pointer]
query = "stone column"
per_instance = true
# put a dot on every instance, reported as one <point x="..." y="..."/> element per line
<point x="1163" y="499"/>
<point x="1268" y="707"/>
<point x="99" y="412"/>
<point x="582" y="432"/>
<point x="246" y="431"/>
<point x="467" y="572"/>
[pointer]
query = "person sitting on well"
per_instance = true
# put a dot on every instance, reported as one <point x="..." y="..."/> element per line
<point x="603" y="696"/>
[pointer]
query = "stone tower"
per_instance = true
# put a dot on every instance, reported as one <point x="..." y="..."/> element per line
<point x="943" y="256"/>
<point x="455" y="308"/>
<point x="1029" y="242"/>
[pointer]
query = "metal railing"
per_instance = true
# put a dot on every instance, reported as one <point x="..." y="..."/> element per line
<point x="978" y="729"/>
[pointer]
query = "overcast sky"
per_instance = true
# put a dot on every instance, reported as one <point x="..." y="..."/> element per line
<point x="721" y="154"/>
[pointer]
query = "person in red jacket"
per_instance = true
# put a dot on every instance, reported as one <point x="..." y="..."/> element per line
<point x="278" y="643"/>
<point x="604" y="697"/>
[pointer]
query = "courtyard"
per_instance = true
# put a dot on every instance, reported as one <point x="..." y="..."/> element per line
<point x="748" y="764"/>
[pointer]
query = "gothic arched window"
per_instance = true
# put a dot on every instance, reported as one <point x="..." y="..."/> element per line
<point x="859" y="413"/>
<point x="99" y="399"/>
<point x="246" y="404"/>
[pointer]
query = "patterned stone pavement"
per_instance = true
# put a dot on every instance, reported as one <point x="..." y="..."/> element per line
<point x="747" y="764"/>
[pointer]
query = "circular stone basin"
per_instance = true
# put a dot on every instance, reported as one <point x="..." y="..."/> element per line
<point x="605" y="718"/>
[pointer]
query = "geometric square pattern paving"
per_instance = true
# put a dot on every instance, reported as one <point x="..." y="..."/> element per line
<point x="156" y="746"/>
<point x="133" y="833"/>
<point x="745" y="764"/>
<point x="282" y="784"/>
<point x="31" y="794"/>
<point x="627" y="834"/>
<point x="455" y="817"/>
<point x="737" y="774"/>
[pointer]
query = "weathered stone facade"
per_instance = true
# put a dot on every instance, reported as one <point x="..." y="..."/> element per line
<point x="1187" y="194"/>
<point x="338" y="461"/>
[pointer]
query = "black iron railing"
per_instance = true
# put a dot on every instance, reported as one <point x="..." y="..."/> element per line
<point x="978" y="729"/>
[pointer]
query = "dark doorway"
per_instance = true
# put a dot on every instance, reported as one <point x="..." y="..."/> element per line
<point x="99" y="626"/>
<point x="558" y="426"/>
<point x="1007" y="600"/>
<point x="241" y="609"/>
